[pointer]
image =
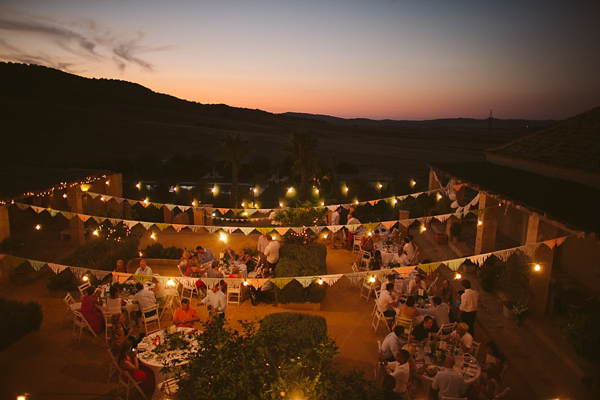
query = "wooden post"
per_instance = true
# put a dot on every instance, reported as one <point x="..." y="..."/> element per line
<point x="485" y="240"/>
<point x="75" y="199"/>
<point x="4" y="223"/>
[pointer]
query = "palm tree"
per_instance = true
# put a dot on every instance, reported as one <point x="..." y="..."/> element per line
<point x="234" y="150"/>
<point x="302" y="149"/>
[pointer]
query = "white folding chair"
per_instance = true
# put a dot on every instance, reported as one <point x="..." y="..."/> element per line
<point x="475" y="348"/>
<point x="127" y="381"/>
<point x="80" y="322"/>
<point x="149" y="320"/>
<point x="376" y="301"/>
<point x="376" y="369"/>
<point x="168" y="388"/>
<point x="378" y="317"/>
<point x="407" y="323"/>
<point x="114" y="367"/>
<point x="191" y="288"/>
<point x="108" y="326"/>
<point x="502" y="393"/>
<point x="169" y="305"/>
<point x="234" y="293"/>
<point x="446" y="329"/>
<point x="369" y="286"/>
<point x="82" y="289"/>
<point x="431" y="287"/>
<point x="503" y="372"/>
<point x="357" y="243"/>
<point x="71" y="305"/>
<point x="365" y="260"/>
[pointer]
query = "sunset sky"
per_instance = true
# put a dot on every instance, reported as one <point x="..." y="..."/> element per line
<point x="374" y="59"/>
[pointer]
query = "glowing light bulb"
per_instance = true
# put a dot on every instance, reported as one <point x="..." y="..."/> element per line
<point x="395" y="201"/>
<point x="316" y="191"/>
<point x="379" y="185"/>
<point x="140" y="254"/>
<point x="280" y="204"/>
<point x="255" y="190"/>
<point x="107" y="182"/>
<point x="479" y="222"/>
<point x="320" y="281"/>
<point x="95" y="232"/>
<point x="146" y="201"/>
<point x="439" y="196"/>
<point x="537" y="268"/>
<point x="171" y="282"/>
<point x="85" y="278"/>
<point x="346" y="189"/>
<point x="412" y="183"/>
<point x="64" y="196"/>
<point x="290" y="190"/>
<point x="324" y="236"/>
<point x="138" y="185"/>
<point x="223" y="237"/>
<point x="356" y="202"/>
<point x="457" y="276"/>
<point x="38" y="227"/>
<point x="274" y="237"/>
<point x="245" y="283"/>
<point x="370" y="234"/>
<point x="153" y="236"/>
<point x="214" y="189"/>
<point x="194" y="203"/>
<point x="322" y="203"/>
<point x="372" y="279"/>
<point x="102" y="198"/>
<point x="243" y="204"/>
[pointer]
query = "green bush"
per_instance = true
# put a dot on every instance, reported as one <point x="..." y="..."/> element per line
<point x="299" y="260"/>
<point x="296" y="329"/>
<point x="18" y="319"/>
<point x="582" y="332"/>
<point x="103" y="254"/>
<point x="10" y="245"/>
<point x="157" y="250"/>
<point x="515" y="278"/>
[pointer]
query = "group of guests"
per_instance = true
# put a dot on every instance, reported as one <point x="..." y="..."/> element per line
<point x="396" y="356"/>
<point x="404" y="257"/>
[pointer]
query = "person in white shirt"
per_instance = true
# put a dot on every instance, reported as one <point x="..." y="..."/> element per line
<point x="416" y="284"/>
<point x="145" y="298"/>
<point x="400" y="370"/>
<point x="272" y="253"/>
<point x="217" y="302"/>
<point x="143" y="269"/>
<point x="392" y="343"/>
<point x="408" y="252"/>
<point x="261" y="246"/>
<point x="448" y="382"/>
<point x="386" y="303"/>
<point x="440" y="311"/>
<point x="468" y="306"/>
<point x="159" y="292"/>
<point x="463" y="337"/>
<point x="335" y="220"/>
<point x="352" y="221"/>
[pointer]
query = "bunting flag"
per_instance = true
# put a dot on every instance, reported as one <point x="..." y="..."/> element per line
<point x="281" y="282"/>
<point x="298" y="230"/>
<point x="247" y="231"/>
<point x="430" y="267"/>
<point x="147" y="225"/>
<point x="162" y="227"/>
<point x="331" y="279"/>
<point x="389" y="224"/>
<point x="346" y="206"/>
<point x="142" y="278"/>
<point x="99" y="274"/>
<point x="317" y="229"/>
<point x="282" y="231"/>
<point x="23" y="207"/>
<point x="121" y="277"/>
<point x="170" y="207"/>
<point x="355" y="277"/>
<point x="305" y="281"/>
<point x="178" y="227"/>
<point x="332" y="207"/>
<point x="78" y="271"/>
<point x="210" y="282"/>
<point x="334" y="228"/>
<point x="57" y="268"/>
<point x="93" y="195"/>
<point x="15" y="261"/>
<point x="455" y="264"/>
<point x="353" y="227"/>
<point x="371" y="225"/>
<point x="257" y="283"/>
<point x="37" y="265"/>
<point x="264" y="231"/>
<point x="404" y="271"/>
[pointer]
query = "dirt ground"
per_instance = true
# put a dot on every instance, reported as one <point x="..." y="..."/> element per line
<point x="51" y="363"/>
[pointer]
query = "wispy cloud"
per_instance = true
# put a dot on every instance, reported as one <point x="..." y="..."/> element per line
<point x="77" y="43"/>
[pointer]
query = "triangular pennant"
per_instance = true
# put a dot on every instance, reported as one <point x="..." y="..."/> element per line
<point x="332" y="208"/>
<point x="98" y="219"/>
<point x="83" y="217"/>
<point x="99" y="273"/>
<point x="184" y="208"/>
<point x="130" y="224"/>
<point x="405" y="222"/>
<point x="429" y="268"/>
<point x="264" y="231"/>
<point x="454" y="264"/>
<point x="353" y="227"/>
<point x="297" y="229"/>
<point x="281" y="282"/>
<point x="229" y="229"/>
<point x="93" y="195"/>
<point x="162" y="226"/>
<point x="355" y="277"/>
<point x="210" y="282"/>
<point x="373" y="202"/>
<point x="305" y="281"/>
<point x="361" y="203"/>
<point x="282" y="231"/>
<point x="316" y="229"/>
<point x="331" y="279"/>
<point x="247" y="231"/>
<point x="346" y="206"/>
<point x="107" y="197"/>
<point x="147" y="225"/>
<point x="53" y="213"/>
<point x="22" y="206"/>
<point x="389" y="224"/>
<point x="404" y="271"/>
<point x="170" y="207"/>
<point x="257" y="283"/>
<point x="38" y="209"/>
<point x="250" y="211"/>
<point x="212" y="229"/>
<point x="15" y="261"/>
<point x="37" y="265"/>
<point x="119" y="200"/>
<point x="178" y="227"/>
<point x="334" y="228"/>
<point x="371" y="225"/>
<point x="78" y="272"/>
<point x="57" y="268"/>
<point x="223" y="211"/>
<point x="121" y="276"/>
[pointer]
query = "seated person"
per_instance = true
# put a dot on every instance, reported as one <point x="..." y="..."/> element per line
<point x="120" y="267"/>
<point x="369" y="244"/>
<point x="229" y="254"/>
<point x="406" y="255"/>
<point x="376" y="261"/>
<point x="91" y="309"/>
<point x="184" y="261"/>
<point x="462" y="336"/>
<point x="213" y="271"/>
<point x="265" y="290"/>
<point x="143" y="269"/>
<point x="186" y="315"/>
<point x="392" y="343"/>
<point x="386" y="303"/>
<point x="159" y="292"/>
<point x="440" y="311"/>
<point x="120" y="334"/>
<point x="235" y="272"/>
<point x="493" y="355"/>
<point x="416" y="284"/>
<point x="492" y="383"/>
<point x="145" y="298"/>
<point x="446" y="292"/>
<point x="114" y="302"/>
<point x="247" y="260"/>
<point x="128" y="361"/>
<point x="387" y="386"/>
<point x="408" y="310"/>
<point x="400" y="370"/>
<point x="448" y="382"/>
<point x="421" y="331"/>
<point x="204" y="255"/>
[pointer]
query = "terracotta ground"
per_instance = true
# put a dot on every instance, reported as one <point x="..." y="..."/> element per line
<point x="53" y="364"/>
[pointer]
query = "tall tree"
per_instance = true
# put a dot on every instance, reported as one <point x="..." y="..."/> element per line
<point x="234" y="150"/>
<point x="302" y="148"/>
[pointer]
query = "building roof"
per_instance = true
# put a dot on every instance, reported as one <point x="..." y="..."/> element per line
<point x="19" y="180"/>
<point x="570" y="203"/>
<point x="572" y="144"/>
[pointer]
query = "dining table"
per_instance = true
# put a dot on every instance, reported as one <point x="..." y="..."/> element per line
<point x="429" y="361"/>
<point x="387" y="251"/>
<point x="154" y="353"/>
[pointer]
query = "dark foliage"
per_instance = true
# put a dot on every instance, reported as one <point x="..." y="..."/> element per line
<point x="300" y="260"/>
<point x="103" y="254"/>
<point x="157" y="250"/>
<point x="18" y="319"/>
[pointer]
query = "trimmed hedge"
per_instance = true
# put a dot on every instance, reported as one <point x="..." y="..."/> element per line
<point x="18" y="319"/>
<point x="103" y="254"/>
<point x="299" y="260"/>
<point x="300" y="330"/>
<point x="157" y="250"/>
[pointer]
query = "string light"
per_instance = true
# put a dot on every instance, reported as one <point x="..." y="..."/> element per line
<point x="413" y="183"/>
<point x="372" y="279"/>
<point x="322" y="203"/>
<point x="215" y="190"/>
<point x="479" y="222"/>
<point x="171" y="282"/>
<point x="457" y="276"/>
<point x="379" y="185"/>
<point x="274" y="237"/>
<point x="423" y="228"/>
<point x="138" y="185"/>
<point x="107" y="183"/>
<point x="255" y="190"/>
<point x="140" y="254"/>
<point x="146" y="201"/>
<point x="85" y="278"/>
<point x="243" y="204"/>
<point x="102" y="198"/>
<point x="64" y="196"/>
<point x="356" y="201"/>
<point x="320" y="281"/>
<point x="280" y="204"/>
<point x="194" y="203"/>
<point x="95" y="232"/>
<point x="316" y="191"/>
<point x="153" y="236"/>
<point x="245" y="283"/>
<point x="223" y="237"/>
<point x="38" y="227"/>
<point x="395" y="201"/>
<point x="537" y="268"/>
<point x="439" y="196"/>
<point x="346" y="189"/>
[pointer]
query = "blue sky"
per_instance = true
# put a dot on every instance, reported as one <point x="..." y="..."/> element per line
<point x="373" y="59"/>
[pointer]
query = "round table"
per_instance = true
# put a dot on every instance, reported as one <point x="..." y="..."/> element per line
<point x="465" y="364"/>
<point x="156" y="362"/>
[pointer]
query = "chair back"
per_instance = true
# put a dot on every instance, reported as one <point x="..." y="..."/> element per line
<point x="475" y="348"/>
<point x="406" y="323"/>
<point x="502" y="393"/>
<point x="82" y="288"/>
<point x="69" y="300"/>
<point x="446" y="329"/>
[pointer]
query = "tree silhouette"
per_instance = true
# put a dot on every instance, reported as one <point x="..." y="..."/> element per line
<point x="234" y="150"/>
<point x="302" y="149"/>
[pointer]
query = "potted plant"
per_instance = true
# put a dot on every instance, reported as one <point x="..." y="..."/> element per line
<point x="455" y="231"/>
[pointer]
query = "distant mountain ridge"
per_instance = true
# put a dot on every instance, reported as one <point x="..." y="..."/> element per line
<point x="50" y="117"/>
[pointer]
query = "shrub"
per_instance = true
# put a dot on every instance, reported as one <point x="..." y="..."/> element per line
<point x="10" y="245"/>
<point x="299" y="260"/>
<point x="515" y="277"/>
<point x="289" y="356"/>
<point x="18" y="319"/>
<point x="157" y="250"/>
<point x="582" y="332"/>
<point x="304" y="214"/>
<point x="103" y="254"/>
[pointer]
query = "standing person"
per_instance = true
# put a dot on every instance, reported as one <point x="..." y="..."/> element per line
<point x="186" y="315"/>
<point x="352" y="220"/>
<point x="272" y="253"/>
<point x="261" y="246"/>
<point x="440" y="311"/>
<point x="468" y="306"/>
<point x="143" y="269"/>
<point x="335" y="220"/>
<point x="217" y="303"/>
